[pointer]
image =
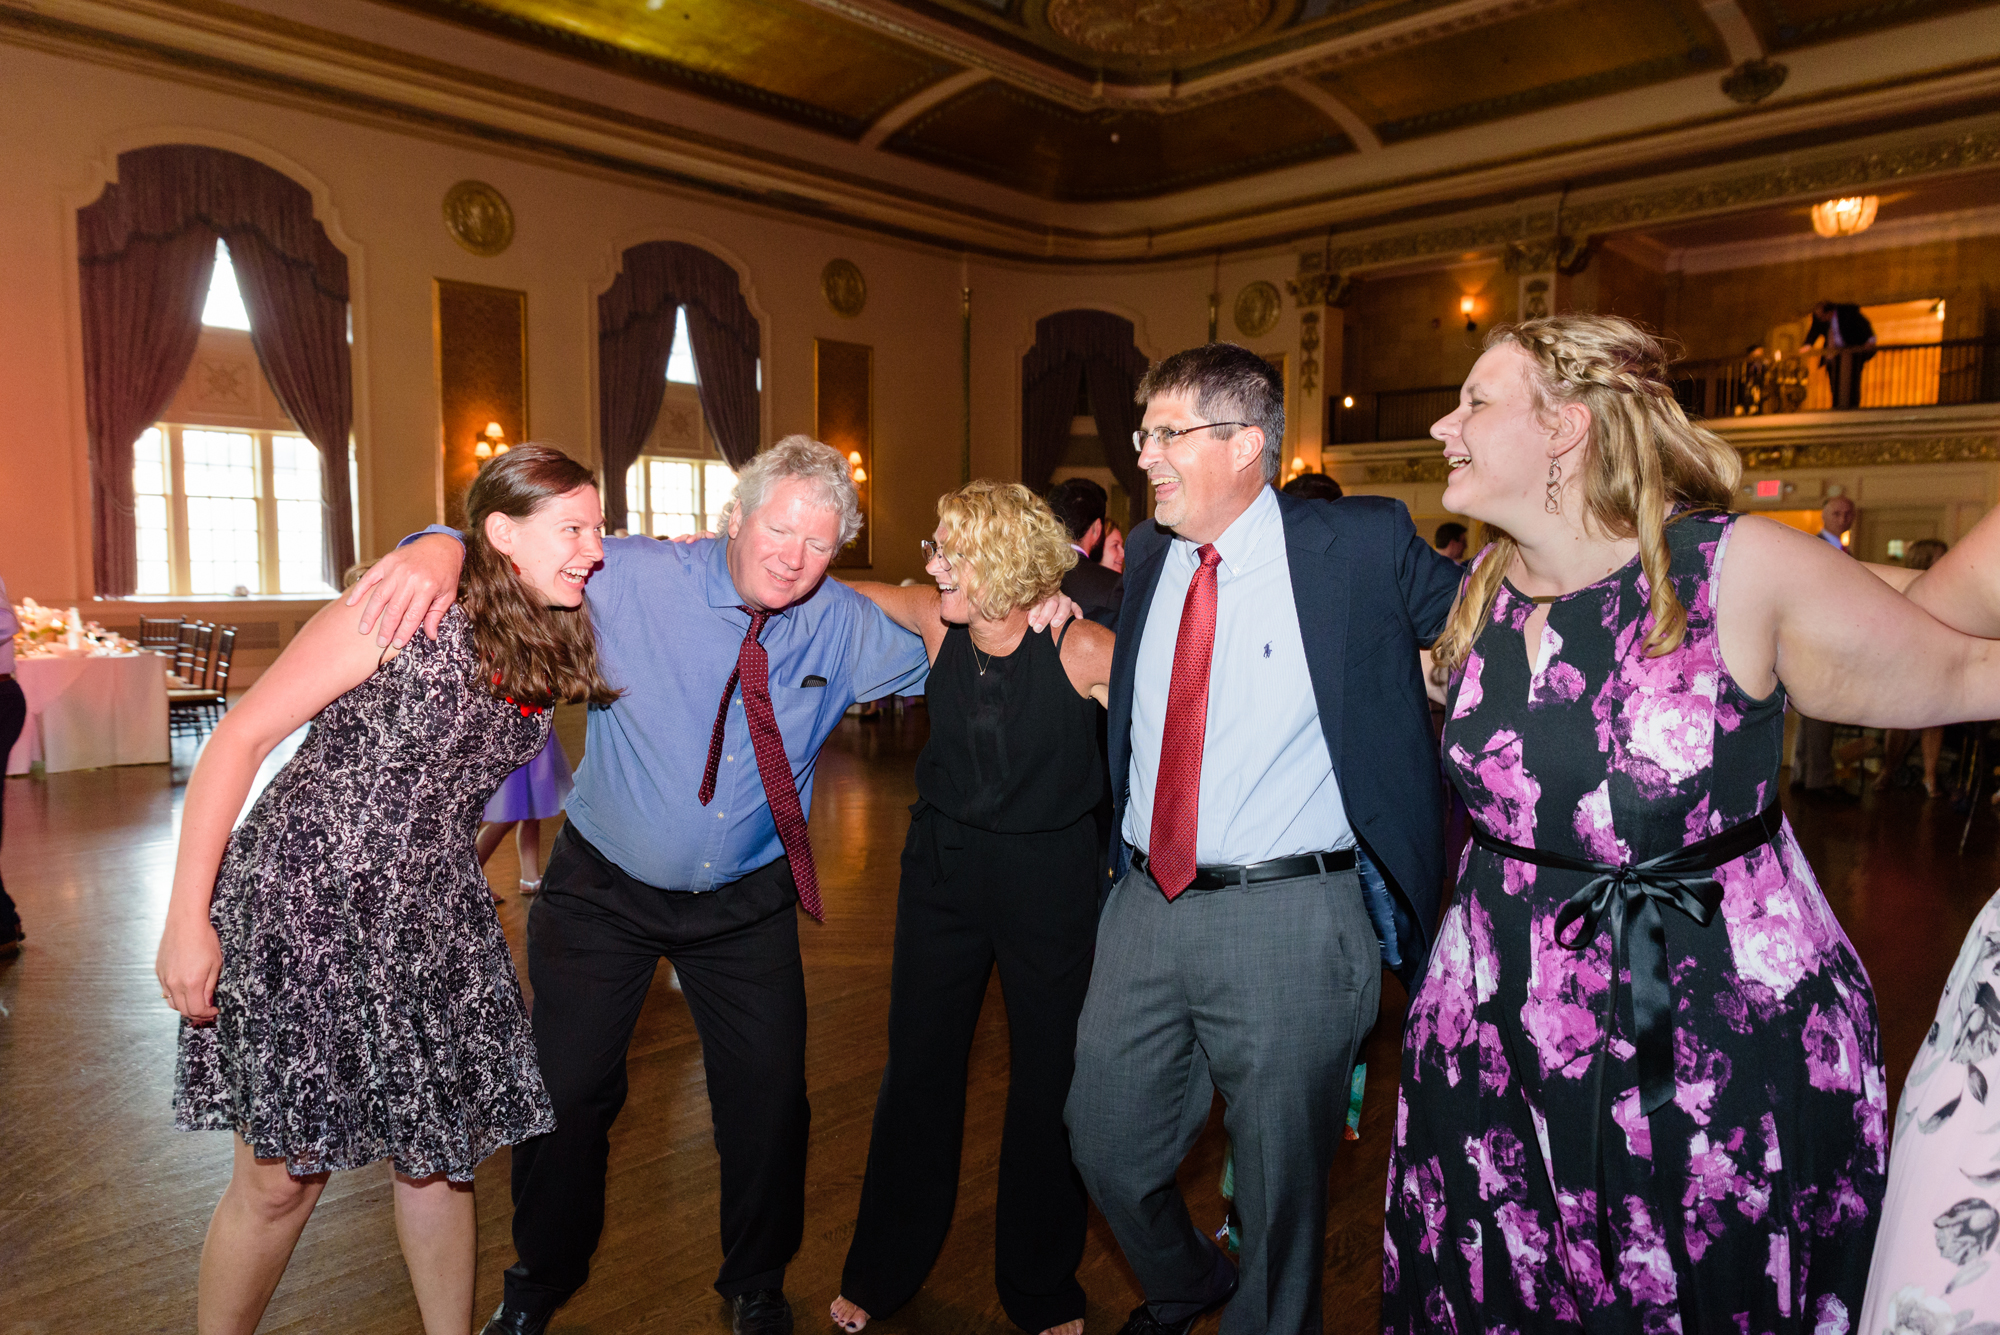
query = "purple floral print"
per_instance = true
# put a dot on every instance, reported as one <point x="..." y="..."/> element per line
<point x="1538" y="1196"/>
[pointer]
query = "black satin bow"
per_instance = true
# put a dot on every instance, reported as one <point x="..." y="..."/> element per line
<point x="1628" y="897"/>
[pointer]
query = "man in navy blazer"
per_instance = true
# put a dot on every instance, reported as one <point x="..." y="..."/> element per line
<point x="1256" y="969"/>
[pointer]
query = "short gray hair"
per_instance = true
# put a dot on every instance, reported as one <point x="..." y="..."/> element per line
<point x="818" y="464"/>
<point x="1228" y="382"/>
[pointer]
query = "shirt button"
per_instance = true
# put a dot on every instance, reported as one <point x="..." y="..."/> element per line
<point x="704" y="865"/>
<point x="720" y="814"/>
<point x="729" y="757"/>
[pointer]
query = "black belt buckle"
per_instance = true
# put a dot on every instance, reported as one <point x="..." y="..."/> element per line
<point x="1257" y="873"/>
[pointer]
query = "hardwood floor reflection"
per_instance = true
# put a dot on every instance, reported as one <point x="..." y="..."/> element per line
<point x="103" y="1204"/>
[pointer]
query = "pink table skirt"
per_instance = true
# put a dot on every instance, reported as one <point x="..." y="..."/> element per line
<point x="84" y="713"/>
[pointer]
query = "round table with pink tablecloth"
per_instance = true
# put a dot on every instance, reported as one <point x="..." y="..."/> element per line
<point x="88" y="712"/>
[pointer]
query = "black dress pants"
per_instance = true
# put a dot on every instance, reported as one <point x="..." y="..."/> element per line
<point x="970" y="898"/>
<point x="595" y="936"/>
<point x="13" y="716"/>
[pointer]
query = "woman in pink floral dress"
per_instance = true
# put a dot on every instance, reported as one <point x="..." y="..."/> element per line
<point x="1641" y="1088"/>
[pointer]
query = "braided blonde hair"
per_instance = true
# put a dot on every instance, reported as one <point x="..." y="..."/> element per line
<point x="1644" y="464"/>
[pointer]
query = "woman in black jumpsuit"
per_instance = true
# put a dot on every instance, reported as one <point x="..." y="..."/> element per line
<point x="1000" y="867"/>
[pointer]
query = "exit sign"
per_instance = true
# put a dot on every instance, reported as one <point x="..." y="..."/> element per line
<point x="1769" y="489"/>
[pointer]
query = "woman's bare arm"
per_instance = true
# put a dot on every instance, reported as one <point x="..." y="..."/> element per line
<point x="325" y="660"/>
<point x="914" y="607"/>
<point x="1963" y="588"/>
<point x="1086" y="657"/>
<point x="1847" y="647"/>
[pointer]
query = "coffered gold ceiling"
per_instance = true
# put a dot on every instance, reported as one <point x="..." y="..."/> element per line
<point x="1107" y="100"/>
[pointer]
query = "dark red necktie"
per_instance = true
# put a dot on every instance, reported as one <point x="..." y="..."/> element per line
<point x="753" y="670"/>
<point x="1177" y="789"/>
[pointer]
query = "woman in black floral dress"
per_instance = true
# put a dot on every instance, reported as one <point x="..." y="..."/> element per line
<point x="346" y="991"/>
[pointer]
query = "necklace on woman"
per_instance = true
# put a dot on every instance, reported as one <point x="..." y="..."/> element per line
<point x="975" y="658"/>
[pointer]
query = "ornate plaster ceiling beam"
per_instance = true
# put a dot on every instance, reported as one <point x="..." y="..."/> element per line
<point x="1028" y="73"/>
<point x="1335" y="110"/>
<point x="896" y="117"/>
<point x="1730" y="20"/>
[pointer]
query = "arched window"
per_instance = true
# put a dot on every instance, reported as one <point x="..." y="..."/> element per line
<point x="148" y="249"/>
<point x="671" y="296"/>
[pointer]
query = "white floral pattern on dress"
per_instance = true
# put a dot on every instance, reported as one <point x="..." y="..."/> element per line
<point x="369" y="1006"/>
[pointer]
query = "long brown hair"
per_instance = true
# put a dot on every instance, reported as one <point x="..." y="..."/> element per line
<point x="1644" y="464"/>
<point x="528" y="651"/>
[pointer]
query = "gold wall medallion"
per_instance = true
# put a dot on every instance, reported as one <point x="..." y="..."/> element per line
<point x="1257" y="309"/>
<point x="478" y="218"/>
<point x="841" y="283"/>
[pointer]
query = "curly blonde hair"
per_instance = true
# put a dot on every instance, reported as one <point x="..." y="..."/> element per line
<point x="1644" y="464"/>
<point x="1006" y="547"/>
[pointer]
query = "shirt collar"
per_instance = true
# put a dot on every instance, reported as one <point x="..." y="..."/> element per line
<point x="1248" y="539"/>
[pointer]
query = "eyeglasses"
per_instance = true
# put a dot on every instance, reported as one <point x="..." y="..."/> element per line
<point x="1160" y="435"/>
<point x="933" y="552"/>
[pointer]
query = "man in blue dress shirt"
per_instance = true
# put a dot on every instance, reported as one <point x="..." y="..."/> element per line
<point x="644" y="867"/>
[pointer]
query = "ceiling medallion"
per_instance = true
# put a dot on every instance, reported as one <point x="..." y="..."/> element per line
<point x="1154" y="27"/>
<point x="1754" y="80"/>
<point x="478" y="218"/>
<point x="841" y="283"/>
<point x="1257" y="308"/>
<point x="1845" y="217"/>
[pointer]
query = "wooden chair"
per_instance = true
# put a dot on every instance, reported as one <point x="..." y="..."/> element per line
<point x="161" y="633"/>
<point x="189" y="705"/>
<point x="188" y="641"/>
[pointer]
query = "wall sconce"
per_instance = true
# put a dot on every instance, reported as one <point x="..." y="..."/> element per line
<point x="854" y="466"/>
<point x="1466" y="305"/>
<point x="1347" y="401"/>
<point x="489" y="442"/>
<point x="1844" y="217"/>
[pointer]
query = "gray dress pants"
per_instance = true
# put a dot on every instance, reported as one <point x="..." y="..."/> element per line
<point x="1261" y="992"/>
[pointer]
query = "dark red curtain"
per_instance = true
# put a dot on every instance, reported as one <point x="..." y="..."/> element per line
<point x="142" y="298"/>
<point x="147" y="249"/>
<point x="635" y="336"/>
<point x="1074" y="348"/>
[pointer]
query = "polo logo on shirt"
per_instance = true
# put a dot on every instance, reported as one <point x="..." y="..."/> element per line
<point x="1267" y="649"/>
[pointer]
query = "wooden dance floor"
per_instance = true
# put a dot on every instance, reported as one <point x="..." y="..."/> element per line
<point x="103" y="1204"/>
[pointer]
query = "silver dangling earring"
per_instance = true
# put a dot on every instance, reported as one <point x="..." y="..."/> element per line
<point x="1554" y="503"/>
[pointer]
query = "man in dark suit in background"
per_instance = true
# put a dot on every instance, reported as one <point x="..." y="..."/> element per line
<point x="1266" y="720"/>
<point x="1098" y="590"/>
<point x="1849" y="341"/>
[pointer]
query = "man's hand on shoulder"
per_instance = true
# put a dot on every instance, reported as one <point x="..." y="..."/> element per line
<point x="414" y="585"/>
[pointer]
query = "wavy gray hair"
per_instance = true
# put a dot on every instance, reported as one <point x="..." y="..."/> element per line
<point x="811" y="461"/>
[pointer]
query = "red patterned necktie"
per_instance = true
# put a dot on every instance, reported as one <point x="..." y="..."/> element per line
<point x="1177" y="789"/>
<point x="753" y="670"/>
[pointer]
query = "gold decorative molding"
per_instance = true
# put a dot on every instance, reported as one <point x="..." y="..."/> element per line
<point x="1319" y="283"/>
<point x="1827" y="176"/>
<point x="1848" y="454"/>
<point x="478" y="218"/>
<point x="1258" y="306"/>
<point x="1406" y="470"/>
<point x="841" y="283"/>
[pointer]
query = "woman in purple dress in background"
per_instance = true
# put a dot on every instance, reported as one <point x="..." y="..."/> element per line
<point x="527" y="797"/>
<point x="1641" y="1084"/>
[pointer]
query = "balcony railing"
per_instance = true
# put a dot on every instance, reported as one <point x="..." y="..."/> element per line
<point x="1393" y="414"/>
<point x="1900" y="375"/>
<point x="1963" y="370"/>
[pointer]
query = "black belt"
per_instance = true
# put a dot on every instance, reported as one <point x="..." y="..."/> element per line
<point x="1256" y="873"/>
<point x="1631" y="894"/>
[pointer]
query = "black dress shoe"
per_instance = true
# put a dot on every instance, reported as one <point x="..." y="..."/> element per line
<point x="513" y="1321"/>
<point x="1143" y="1322"/>
<point x="760" y="1312"/>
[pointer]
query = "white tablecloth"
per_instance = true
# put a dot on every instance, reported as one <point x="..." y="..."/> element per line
<point x="87" y="712"/>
